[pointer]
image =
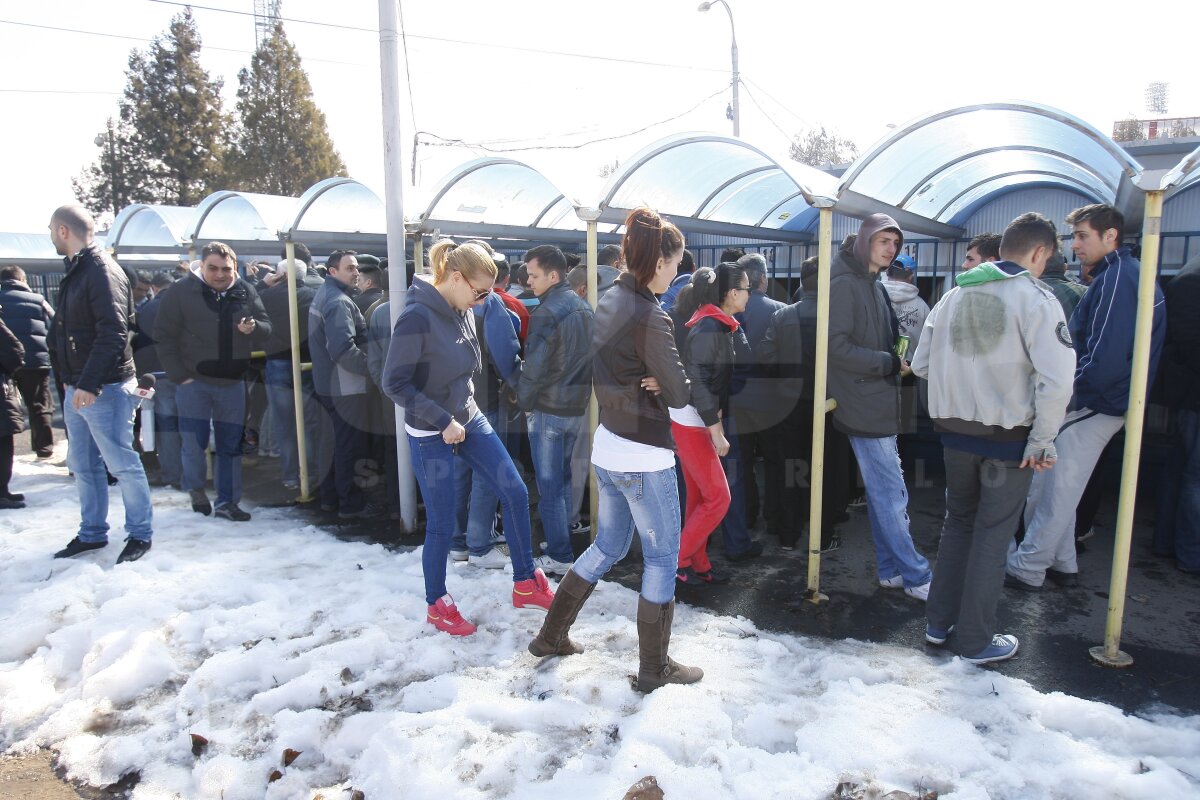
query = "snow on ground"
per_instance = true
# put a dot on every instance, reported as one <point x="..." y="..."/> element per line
<point x="274" y="635"/>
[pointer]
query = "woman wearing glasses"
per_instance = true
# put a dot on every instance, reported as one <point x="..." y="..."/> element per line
<point x="433" y="354"/>
<point x="707" y="304"/>
<point x="637" y="376"/>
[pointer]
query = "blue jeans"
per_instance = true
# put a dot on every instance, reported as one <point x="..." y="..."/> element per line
<point x="887" y="508"/>
<point x="166" y="431"/>
<point x="224" y="405"/>
<point x="733" y="528"/>
<point x="281" y="400"/>
<point x="551" y="441"/>
<point x="1177" y="528"/>
<point x="649" y="502"/>
<point x="475" y="509"/>
<point x="102" y="435"/>
<point x="432" y="462"/>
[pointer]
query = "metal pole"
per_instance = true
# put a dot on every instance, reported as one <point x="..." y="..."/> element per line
<point x="737" y="111"/>
<point x="393" y="182"/>
<point x="297" y="388"/>
<point x="1110" y="655"/>
<point x="821" y="406"/>
<point x="593" y="294"/>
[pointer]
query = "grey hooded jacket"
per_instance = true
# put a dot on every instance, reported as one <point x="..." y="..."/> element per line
<point x="863" y="366"/>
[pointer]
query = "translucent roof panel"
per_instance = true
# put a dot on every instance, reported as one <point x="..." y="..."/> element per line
<point x="747" y="199"/>
<point x="1185" y="174"/>
<point x="146" y="226"/>
<point x="339" y="205"/>
<point x="965" y="204"/>
<point x="26" y="246"/>
<point x="493" y="192"/>
<point x="242" y="217"/>
<point x="927" y="166"/>
<point x="675" y="180"/>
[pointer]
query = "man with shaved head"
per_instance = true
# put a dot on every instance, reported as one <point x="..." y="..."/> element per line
<point x="91" y="355"/>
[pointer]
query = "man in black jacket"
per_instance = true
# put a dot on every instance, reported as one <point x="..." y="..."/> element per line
<point x="28" y="316"/>
<point x="89" y="348"/>
<point x="554" y="389"/>
<point x="1177" y="527"/>
<point x="205" y="330"/>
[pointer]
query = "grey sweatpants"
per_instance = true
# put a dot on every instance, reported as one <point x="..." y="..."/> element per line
<point x="984" y="498"/>
<point x="1050" y="514"/>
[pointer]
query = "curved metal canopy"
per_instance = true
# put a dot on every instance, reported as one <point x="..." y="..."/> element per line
<point x="718" y="184"/>
<point x="338" y="213"/>
<point x="1183" y="175"/>
<point x="242" y="220"/>
<point x="941" y="166"/>
<point x="142" y="228"/>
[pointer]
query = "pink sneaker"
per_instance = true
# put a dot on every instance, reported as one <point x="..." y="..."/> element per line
<point x="534" y="592"/>
<point x="444" y="616"/>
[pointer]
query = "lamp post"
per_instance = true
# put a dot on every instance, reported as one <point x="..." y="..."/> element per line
<point x="737" y="115"/>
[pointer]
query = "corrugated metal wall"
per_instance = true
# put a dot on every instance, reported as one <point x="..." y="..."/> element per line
<point x="1052" y="203"/>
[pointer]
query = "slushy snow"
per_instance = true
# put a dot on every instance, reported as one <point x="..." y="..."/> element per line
<point x="272" y="635"/>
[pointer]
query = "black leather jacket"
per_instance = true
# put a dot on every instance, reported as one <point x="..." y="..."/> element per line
<point x="557" y="375"/>
<point x="709" y="356"/>
<point x="89" y="339"/>
<point x="635" y="339"/>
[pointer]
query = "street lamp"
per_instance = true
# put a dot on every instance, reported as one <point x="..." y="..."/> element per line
<point x="737" y="116"/>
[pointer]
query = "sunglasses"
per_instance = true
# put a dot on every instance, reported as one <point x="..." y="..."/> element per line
<point x="479" y="293"/>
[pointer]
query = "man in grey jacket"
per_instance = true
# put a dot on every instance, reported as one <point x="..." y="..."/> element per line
<point x="864" y="378"/>
<point x="1000" y="369"/>
<point x="337" y="341"/>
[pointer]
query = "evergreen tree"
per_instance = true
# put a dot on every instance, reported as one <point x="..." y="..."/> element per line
<point x="819" y="147"/>
<point x="282" y="145"/>
<point x="172" y="134"/>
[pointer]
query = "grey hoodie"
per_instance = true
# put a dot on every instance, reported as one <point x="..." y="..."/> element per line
<point x="863" y="367"/>
<point x="909" y="308"/>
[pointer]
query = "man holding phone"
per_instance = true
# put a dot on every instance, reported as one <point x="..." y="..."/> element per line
<point x="206" y="329"/>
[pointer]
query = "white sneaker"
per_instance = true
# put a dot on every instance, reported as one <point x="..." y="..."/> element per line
<point x="892" y="583"/>
<point x="550" y="566"/>
<point x="459" y="555"/>
<point x="492" y="559"/>
<point x="918" y="592"/>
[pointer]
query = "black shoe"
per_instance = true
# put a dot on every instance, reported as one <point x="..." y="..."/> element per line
<point x="712" y="578"/>
<point x="200" y="502"/>
<point x="1066" y="580"/>
<point x="834" y="543"/>
<point x="44" y="454"/>
<point x="76" y="546"/>
<point x="20" y="498"/>
<point x="1017" y="583"/>
<point x="368" y="511"/>
<point x="232" y="512"/>
<point x="134" y="549"/>
<point x="8" y="502"/>
<point x="753" y="551"/>
<point x="686" y="576"/>
<point x="328" y="508"/>
<point x="112" y="479"/>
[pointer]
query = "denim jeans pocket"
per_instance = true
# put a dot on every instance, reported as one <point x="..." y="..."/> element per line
<point x="629" y="484"/>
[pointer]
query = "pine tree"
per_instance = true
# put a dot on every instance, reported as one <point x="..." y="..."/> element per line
<point x="171" y="136"/>
<point x="819" y="147"/>
<point x="282" y="145"/>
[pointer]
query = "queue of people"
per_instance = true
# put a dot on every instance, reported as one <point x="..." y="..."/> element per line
<point x="697" y="375"/>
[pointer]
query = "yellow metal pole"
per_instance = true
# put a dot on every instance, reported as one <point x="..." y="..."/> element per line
<point x="418" y="253"/>
<point x="297" y="390"/>
<point x="593" y="294"/>
<point x="1110" y="655"/>
<point x="820" y="407"/>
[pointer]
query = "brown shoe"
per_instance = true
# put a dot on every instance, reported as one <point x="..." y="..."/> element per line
<point x="656" y="668"/>
<point x="552" y="639"/>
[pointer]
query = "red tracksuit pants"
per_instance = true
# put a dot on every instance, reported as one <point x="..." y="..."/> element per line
<point x="707" y="494"/>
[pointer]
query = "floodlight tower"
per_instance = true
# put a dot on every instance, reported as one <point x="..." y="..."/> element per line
<point x="266" y="15"/>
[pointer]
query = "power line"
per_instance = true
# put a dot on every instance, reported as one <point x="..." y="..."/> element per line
<point x="754" y="100"/>
<point x="55" y="91"/>
<point x="446" y="40"/>
<point x="445" y="142"/>
<point x="142" y="39"/>
<point x="407" y="71"/>
<point x="804" y="122"/>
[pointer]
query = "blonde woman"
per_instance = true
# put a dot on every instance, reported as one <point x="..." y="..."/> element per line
<point x="433" y="355"/>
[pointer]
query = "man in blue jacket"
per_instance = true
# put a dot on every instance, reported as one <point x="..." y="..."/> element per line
<point x="1102" y="331"/>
